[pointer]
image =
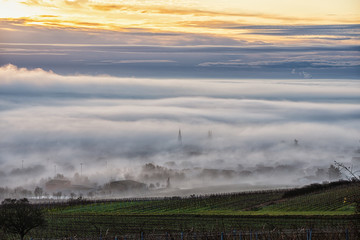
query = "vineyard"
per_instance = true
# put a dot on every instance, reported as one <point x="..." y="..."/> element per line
<point x="215" y="204"/>
<point x="254" y="215"/>
<point x="339" y="200"/>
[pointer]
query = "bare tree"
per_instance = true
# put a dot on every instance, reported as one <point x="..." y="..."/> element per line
<point x="349" y="171"/>
<point x="57" y="195"/>
<point x="72" y="195"/>
<point x="334" y="173"/>
<point x="19" y="216"/>
<point x="38" y="192"/>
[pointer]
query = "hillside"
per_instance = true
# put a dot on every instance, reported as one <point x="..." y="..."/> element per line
<point x="328" y="211"/>
<point x="338" y="200"/>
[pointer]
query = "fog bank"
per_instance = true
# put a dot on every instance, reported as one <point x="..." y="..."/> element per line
<point x="232" y="131"/>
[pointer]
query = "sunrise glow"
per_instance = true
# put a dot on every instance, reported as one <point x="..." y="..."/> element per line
<point x="229" y="19"/>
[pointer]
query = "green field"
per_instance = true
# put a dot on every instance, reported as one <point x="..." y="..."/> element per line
<point x="339" y="200"/>
<point x="327" y="211"/>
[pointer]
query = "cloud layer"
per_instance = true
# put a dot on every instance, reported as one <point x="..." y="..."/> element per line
<point x="242" y="61"/>
<point x="115" y="125"/>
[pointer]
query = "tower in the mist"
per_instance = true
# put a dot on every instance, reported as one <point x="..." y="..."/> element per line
<point x="180" y="137"/>
<point x="168" y="183"/>
<point x="210" y="135"/>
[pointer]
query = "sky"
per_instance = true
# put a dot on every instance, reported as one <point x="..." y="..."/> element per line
<point x="184" y="39"/>
<point x="107" y="85"/>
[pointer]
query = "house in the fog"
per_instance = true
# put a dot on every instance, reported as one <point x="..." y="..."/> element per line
<point x="63" y="184"/>
<point x="125" y="186"/>
<point x="57" y="185"/>
<point x="82" y="188"/>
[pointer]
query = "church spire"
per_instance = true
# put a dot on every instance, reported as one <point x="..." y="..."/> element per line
<point x="210" y="134"/>
<point x="180" y="137"/>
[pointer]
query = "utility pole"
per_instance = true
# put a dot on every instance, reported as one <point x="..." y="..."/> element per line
<point x="210" y="134"/>
<point x="179" y="137"/>
<point x="168" y="183"/>
<point x="81" y="169"/>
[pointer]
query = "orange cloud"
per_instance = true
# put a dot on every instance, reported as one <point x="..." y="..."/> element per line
<point x="152" y="17"/>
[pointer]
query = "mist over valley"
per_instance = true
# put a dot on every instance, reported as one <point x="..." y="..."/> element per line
<point x="172" y="135"/>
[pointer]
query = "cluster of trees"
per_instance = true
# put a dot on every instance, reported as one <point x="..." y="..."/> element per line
<point x="14" y="192"/>
<point x="20" y="192"/>
<point x="20" y="217"/>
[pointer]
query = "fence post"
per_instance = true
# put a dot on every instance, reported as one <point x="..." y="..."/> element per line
<point x="222" y="236"/>
<point x="142" y="236"/>
<point x="250" y="235"/>
<point x="182" y="236"/>
<point x="347" y="234"/>
<point x="234" y="238"/>
<point x="240" y="236"/>
<point x="256" y="235"/>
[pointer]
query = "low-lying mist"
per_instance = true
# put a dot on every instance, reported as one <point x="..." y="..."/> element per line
<point x="173" y="134"/>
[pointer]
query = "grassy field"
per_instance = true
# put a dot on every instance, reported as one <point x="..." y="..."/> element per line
<point x="330" y="210"/>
